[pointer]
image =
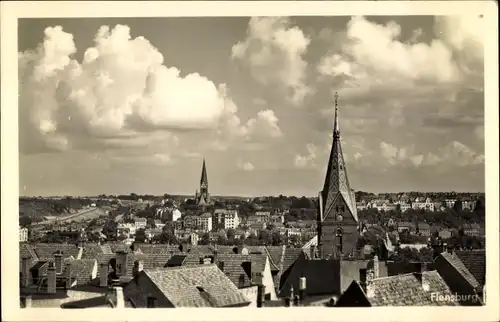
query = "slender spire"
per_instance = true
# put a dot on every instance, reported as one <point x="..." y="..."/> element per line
<point x="204" y="173"/>
<point x="336" y="129"/>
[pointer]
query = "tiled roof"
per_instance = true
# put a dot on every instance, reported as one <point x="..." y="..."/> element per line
<point x="27" y="251"/>
<point x="47" y="251"/>
<point x="196" y="286"/>
<point x="82" y="269"/>
<point x="291" y="255"/>
<point x="91" y="251"/>
<point x="234" y="268"/>
<point x="275" y="256"/>
<point x="459" y="266"/>
<point x="115" y="247"/>
<point x="149" y="261"/>
<point x="157" y="248"/>
<point x="475" y="262"/>
<point x="407" y="290"/>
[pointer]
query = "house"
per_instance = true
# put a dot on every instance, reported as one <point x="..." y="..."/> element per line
<point x="189" y="222"/>
<point x="293" y="232"/>
<point x="413" y="289"/>
<point x="465" y="274"/>
<point x="263" y="214"/>
<point x="248" y="270"/>
<point x="450" y="203"/>
<point x="140" y="223"/>
<point x="424" y="229"/>
<point x="327" y="278"/>
<point x="183" y="286"/>
<point x="23" y="234"/>
<point x="468" y="204"/>
<point x="60" y="282"/>
<point x="472" y="229"/>
<point x="277" y="219"/>
<point x="226" y="218"/>
<point x="251" y="220"/>
<point x="204" y="222"/>
<point x="406" y="225"/>
<point x="445" y="233"/>
<point x="159" y="224"/>
<point x="426" y="205"/>
<point x="403" y="205"/>
<point x="126" y="229"/>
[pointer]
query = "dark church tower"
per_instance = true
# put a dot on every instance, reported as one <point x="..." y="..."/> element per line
<point x="337" y="216"/>
<point x="203" y="197"/>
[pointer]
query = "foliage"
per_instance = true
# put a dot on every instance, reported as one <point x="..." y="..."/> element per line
<point x="140" y="235"/>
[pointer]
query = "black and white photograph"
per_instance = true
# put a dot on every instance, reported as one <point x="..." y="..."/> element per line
<point x="257" y="161"/>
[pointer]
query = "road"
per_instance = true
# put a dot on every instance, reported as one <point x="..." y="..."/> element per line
<point x="62" y="219"/>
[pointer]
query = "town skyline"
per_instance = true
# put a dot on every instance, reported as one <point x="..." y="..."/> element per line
<point x="264" y="127"/>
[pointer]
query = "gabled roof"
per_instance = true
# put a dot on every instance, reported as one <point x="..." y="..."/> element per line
<point x="47" y="251"/>
<point x="475" y="262"/>
<point x="455" y="261"/>
<point x="409" y="290"/>
<point x="81" y="270"/>
<point x="196" y="286"/>
<point x="234" y="268"/>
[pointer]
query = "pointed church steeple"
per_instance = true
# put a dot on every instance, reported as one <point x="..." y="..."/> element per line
<point x="337" y="216"/>
<point x="203" y="197"/>
<point x="204" y="179"/>
<point x="336" y="180"/>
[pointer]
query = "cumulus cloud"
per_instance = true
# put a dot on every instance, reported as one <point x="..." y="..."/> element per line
<point x="121" y="89"/>
<point x="273" y="53"/>
<point x="245" y="166"/>
<point x="308" y="160"/>
<point x="374" y="56"/>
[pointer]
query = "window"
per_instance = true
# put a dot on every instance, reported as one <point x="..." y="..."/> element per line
<point x="338" y="237"/>
<point x="151" y="302"/>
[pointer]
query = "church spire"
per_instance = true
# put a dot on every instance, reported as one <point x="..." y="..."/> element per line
<point x="336" y="181"/>
<point x="204" y="179"/>
<point x="336" y="129"/>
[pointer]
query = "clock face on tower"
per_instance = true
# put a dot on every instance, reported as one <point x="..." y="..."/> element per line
<point x="340" y="218"/>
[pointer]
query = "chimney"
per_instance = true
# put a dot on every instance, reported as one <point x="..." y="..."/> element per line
<point x="103" y="274"/>
<point x="69" y="281"/>
<point x="51" y="278"/>
<point x="59" y="262"/>
<point x="320" y="250"/>
<point x="313" y="251"/>
<point x="296" y="301"/>
<point x="302" y="288"/>
<point x="121" y="263"/>
<point x="216" y="255"/>
<point x="221" y="265"/>
<point x="375" y="267"/>
<point x="138" y="267"/>
<point x="257" y="278"/>
<point x="362" y="278"/>
<point x="449" y="249"/>
<point x="261" y="291"/>
<point x="25" y="272"/>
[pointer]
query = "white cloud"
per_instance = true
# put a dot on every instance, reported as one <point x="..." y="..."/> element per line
<point x="464" y="34"/>
<point x="122" y="88"/>
<point x="266" y="123"/>
<point x="374" y="56"/>
<point x="308" y="160"/>
<point x="273" y="51"/>
<point x="246" y="166"/>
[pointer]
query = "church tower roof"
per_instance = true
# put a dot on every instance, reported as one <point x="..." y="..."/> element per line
<point x="336" y="181"/>
<point x="204" y="179"/>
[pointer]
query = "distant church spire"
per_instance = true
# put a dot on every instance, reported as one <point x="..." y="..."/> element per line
<point x="203" y="197"/>
<point x="204" y="179"/>
<point x="336" y="129"/>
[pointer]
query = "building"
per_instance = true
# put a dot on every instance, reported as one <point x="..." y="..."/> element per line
<point x="465" y="273"/>
<point x="204" y="222"/>
<point x="183" y="286"/>
<point x="140" y="223"/>
<point x="23" y="234"/>
<point x="126" y="229"/>
<point x="426" y="205"/>
<point x="403" y="205"/>
<point x="337" y="215"/>
<point x="226" y="218"/>
<point x="203" y="197"/>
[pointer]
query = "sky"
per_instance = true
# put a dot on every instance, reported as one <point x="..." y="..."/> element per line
<point x="134" y="105"/>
